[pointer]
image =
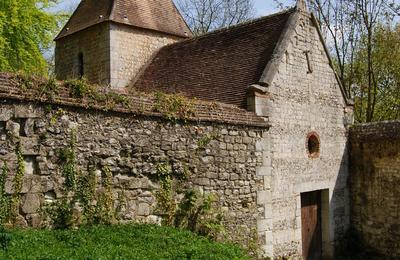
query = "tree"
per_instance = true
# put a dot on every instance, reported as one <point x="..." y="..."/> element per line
<point x="26" y="32"/>
<point x="384" y="51"/>
<point x="206" y="15"/>
<point x="349" y="28"/>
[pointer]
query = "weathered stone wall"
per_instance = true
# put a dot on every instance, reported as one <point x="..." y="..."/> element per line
<point x="131" y="49"/>
<point x="300" y="101"/>
<point x="374" y="182"/>
<point x="113" y="54"/>
<point x="132" y="146"/>
<point x="94" y="45"/>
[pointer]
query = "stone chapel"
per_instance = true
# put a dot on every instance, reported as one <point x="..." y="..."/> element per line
<point x="277" y="67"/>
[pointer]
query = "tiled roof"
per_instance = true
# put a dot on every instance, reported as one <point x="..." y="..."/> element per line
<point x="218" y="66"/>
<point x="158" y="15"/>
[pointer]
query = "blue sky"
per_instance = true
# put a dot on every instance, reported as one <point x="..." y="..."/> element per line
<point x="263" y="7"/>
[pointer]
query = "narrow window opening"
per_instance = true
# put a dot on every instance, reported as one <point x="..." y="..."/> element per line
<point x="2" y="127"/>
<point x="81" y="70"/>
<point x="22" y="127"/>
<point x="313" y="145"/>
<point x="309" y="65"/>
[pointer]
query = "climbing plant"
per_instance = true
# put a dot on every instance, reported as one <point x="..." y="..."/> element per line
<point x="18" y="180"/>
<point x="173" y="106"/>
<point x="4" y="198"/>
<point x="67" y="158"/>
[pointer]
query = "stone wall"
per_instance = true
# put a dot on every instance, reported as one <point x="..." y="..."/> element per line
<point x="219" y="157"/>
<point x="131" y="49"/>
<point x="375" y="177"/>
<point x="300" y="100"/>
<point x="93" y="44"/>
<point x="113" y="54"/>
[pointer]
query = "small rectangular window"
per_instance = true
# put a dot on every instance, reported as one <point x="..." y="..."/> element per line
<point x="80" y="65"/>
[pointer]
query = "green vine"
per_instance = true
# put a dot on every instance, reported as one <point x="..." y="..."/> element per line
<point x="104" y="212"/>
<point x="198" y="213"/>
<point x="4" y="199"/>
<point x="56" y="116"/>
<point x="165" y="199"/>
<point x="79" y="88"/>
<point x="173" y="107"/>
<point x="86" y="192"/>
<point x="205" y="140"/>
<point x="68" y="160"/>
<point x="18" y="180"/>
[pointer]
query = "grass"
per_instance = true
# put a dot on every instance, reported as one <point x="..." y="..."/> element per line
<point x="115" y="242"/>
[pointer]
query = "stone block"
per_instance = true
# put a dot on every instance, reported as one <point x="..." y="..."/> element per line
<point x="31" y="203"/>
<point x="6" y="113"/>
<point x="24" y="111"/>
<point x="34" y="220"/>
<point x="13" y="128"/>
<point x="143" y="209"/>
<point x="20" y="222"/>
<point x="30" y="145"/>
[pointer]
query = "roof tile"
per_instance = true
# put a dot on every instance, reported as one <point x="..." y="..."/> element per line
<point x="158" y="15"/>
<point x="218" y="66"/>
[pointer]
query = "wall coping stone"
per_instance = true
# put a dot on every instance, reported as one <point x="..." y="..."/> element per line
<point x="376" y="131"/>
<point x="140" y="104"/>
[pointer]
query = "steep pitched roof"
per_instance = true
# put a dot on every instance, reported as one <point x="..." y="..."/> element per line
<point x="158" y="15"/>
<point x="218" y="66"/>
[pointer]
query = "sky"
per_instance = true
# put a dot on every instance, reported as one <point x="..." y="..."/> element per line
<point x="263" y="7"/>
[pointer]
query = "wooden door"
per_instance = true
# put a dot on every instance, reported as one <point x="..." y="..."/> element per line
<point x="311" y="225"/>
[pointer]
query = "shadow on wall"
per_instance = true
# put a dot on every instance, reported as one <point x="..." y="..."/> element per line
<point x="375" y="196"/>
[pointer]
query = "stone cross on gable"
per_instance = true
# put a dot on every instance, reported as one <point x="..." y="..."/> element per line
<point x="301" y="5"/>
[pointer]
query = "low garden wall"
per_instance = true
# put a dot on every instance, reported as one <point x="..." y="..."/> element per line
<point x="375" y="179"/>
<point x="71" y="155"/>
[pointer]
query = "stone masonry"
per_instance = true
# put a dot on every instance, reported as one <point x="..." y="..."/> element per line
<point x="299" y="101"/>
<point x="131" y="49"/>
<point x="132" y="144"/>
<point x="92" y="43"/>
<point x="113" y="54"/>
<point x="375" y="167"/>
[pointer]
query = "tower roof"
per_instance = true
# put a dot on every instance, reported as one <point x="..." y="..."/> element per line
<point x="158" y="15"/>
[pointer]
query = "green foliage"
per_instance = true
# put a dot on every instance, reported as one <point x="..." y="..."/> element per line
<point x="5" y="239"/>
<point x="105" y="203"/>
<point x="49" y="88"/>
<point x="195" y="212"/>
<point x="199" y="214"/>
<point x="4" y="198"/>
<point x="165" y="198"/>
<point x="67" y="158"/>
<point x="380" y="100"/>
<point x="54" y="118"/>
<point x="117" y="242"/>
<point x="26" y="29"/>
<point x="173" y="107"/>
<point x="79" y="88"/>
<point x="18" y="180"/>
<point x="61" y="213"/>
<point x="104" y="210"/>
<point x="205" y="140"/>
<point x="86" y="192"/>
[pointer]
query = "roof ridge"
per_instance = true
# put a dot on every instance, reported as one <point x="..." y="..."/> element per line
<point x="239" y="25"/>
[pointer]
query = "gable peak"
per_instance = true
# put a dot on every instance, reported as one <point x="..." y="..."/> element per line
<point x="301" y="5"/>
